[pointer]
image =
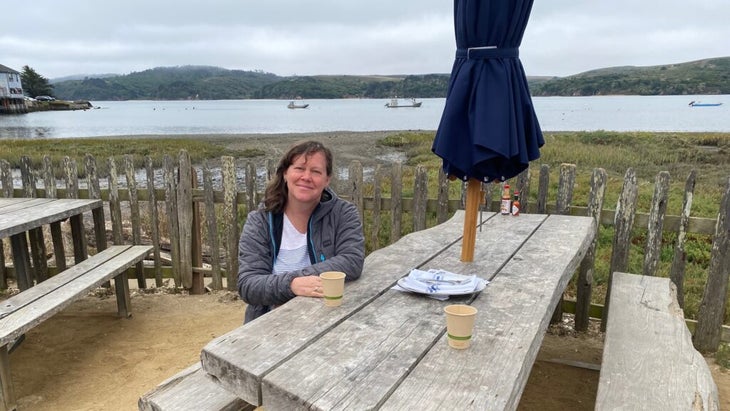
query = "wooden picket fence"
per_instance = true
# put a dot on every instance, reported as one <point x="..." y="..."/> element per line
<point x="172" y="204"/>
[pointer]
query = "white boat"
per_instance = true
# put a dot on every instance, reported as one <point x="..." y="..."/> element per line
<point x="394" y="103"/>
<point x="297" y="105"/>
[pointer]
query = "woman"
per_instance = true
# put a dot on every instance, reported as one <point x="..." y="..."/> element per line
<point x="302" y="230"/>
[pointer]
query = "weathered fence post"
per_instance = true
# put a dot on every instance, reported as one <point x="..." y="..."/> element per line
<point x="173" y="223"/>
<point x="542" y="189"/>
<point x="196" y="240"/>
<point x="115" y="209"/>
<point x="134" y="215"/>
<point x="420" y="198"/>
<point x="6" y="179"/>
<point x="523" y="184"/>
<point x="676" y="272"/>
<point x="154" y="219"/>
<point x="396" y="196"/>
<point x="250" y="186"/>
<point x="212" y="228"/>
<point x="377" y="198"/>
<point x="355" y="191"/>
<point x="712" y="308"/>
<point x="92" y="176"/>
<point x="35" y="236"/>
<point x="656" y="223"/>
<point x="230" y="217"/>
<point x="185" y="218"/>
<point x="442" y="210"/>
<point x="562" y="206"/>
<point x="584" y="283"/>
<point x="49" y="183"/>
<point x="623" y="223"/>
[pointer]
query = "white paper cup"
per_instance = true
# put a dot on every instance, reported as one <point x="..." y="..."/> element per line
<point x="333" y="287"/>
<point x="459" y="325"/>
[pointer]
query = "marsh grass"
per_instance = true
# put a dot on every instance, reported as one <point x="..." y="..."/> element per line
<point x="647" y="154"/>
<point x="102" y="149"/>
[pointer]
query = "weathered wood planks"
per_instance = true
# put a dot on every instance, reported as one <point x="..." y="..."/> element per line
<point x="649" y="362"/>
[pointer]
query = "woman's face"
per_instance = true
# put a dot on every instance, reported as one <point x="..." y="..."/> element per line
<point x="306" y="178"/>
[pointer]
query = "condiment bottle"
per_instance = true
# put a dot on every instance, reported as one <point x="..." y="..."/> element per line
<point x="516" y="204"/>
<point x="506" y="202"/>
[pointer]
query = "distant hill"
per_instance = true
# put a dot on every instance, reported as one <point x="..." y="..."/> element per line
<point x="710" y="76"/>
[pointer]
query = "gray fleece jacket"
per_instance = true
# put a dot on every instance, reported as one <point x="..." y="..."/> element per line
<point x="335" y="243"/>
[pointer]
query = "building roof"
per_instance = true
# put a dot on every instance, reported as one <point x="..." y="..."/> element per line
<point x="6" y="69"/>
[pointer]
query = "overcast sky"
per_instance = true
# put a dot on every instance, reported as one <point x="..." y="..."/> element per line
<point x="66" y="37"/>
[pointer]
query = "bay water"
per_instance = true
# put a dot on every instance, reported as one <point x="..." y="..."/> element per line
<point x="122" y="118"/>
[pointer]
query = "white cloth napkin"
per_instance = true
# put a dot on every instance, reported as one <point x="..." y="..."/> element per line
<point x="439" y="284"/>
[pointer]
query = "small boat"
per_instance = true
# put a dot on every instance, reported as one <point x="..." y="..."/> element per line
<point x="699" y="104"/>
<point x="297" y="105"/>
<point x="394" y="103"/>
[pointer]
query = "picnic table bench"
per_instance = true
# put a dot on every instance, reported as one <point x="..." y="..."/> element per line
<point x="649" y="362"/>
<point x="386" y="349"/>
<point x="38" y="302"/>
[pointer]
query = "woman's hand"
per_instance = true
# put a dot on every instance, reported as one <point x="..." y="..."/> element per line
<point x="307" y="286"/>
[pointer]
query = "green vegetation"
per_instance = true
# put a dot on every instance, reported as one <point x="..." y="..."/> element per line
<point x="102" y="149"/>
<point x="214" y="83"/>
<point x="710" y="76"/>
<point x="34" y="84"/>
<point x="648" y="154"/>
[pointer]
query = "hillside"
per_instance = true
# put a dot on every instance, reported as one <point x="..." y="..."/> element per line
<point x="709" y="76"/>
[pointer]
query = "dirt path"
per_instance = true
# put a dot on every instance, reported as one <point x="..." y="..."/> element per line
<point x="86" y="359"/>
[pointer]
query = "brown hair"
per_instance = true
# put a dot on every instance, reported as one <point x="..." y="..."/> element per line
<point x="276" y="192"/>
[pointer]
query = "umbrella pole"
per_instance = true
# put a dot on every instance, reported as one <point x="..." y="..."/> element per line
<point x="473" y="198"/>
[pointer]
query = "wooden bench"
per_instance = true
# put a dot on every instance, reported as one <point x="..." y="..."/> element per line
<point x="23" y="311"/>
<point x="648" y="358"/>
<point x="192" y="389"/>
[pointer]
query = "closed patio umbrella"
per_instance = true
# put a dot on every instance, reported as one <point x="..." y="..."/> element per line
<point x="488" y="129"/>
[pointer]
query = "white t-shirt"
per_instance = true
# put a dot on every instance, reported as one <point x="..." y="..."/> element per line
<point x="293" y="251"/>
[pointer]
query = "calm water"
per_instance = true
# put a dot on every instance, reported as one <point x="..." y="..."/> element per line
<point x="618" y="113"/>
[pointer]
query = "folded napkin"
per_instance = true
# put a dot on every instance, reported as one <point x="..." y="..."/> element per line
<point x="439" y="284"/>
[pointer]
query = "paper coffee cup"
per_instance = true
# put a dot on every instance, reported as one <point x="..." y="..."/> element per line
<point x="459" y="325"/>
<point x="333" y="286"/>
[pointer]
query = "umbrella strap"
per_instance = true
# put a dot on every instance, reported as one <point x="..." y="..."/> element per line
<point x="489" y="52"/>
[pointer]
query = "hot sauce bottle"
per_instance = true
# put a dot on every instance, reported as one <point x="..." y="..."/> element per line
<point x="506" y="201"/>
<point x="516" y="204"/>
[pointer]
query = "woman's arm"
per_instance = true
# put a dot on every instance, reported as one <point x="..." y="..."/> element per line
<point x="256" y="283"/>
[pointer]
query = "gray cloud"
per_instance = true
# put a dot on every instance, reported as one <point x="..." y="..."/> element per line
<point x="343" y="37"/>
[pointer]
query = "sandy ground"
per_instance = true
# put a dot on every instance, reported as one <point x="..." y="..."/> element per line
<point x="85" y="358"/>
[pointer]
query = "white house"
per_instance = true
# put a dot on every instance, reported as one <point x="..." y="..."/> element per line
<point x="11" y="92"/>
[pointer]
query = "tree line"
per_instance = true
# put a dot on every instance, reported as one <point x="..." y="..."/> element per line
<point x="710" y="76"/>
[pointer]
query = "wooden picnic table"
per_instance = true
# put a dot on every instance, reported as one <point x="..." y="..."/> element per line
<point x="387" y="349"/>
<point x="21" y="218"/>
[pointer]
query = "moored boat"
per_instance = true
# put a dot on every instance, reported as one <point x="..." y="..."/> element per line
<point x="700" y="104"/>
<point x="297" y="105"/>
<point x="394" y="103"/>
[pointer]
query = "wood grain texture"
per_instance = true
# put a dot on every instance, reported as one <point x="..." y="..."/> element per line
<point x="27" y="309"/>
<point x="514" y="312"/>
<point x="357" y="364"/>
<point x="20" y="215"/>
<point x="649" y="362"/>
<point x="192" y="389"/>
<point x="242" y="357"/>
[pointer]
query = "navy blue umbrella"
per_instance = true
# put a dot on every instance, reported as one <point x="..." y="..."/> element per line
<point x="488" y="130"/>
